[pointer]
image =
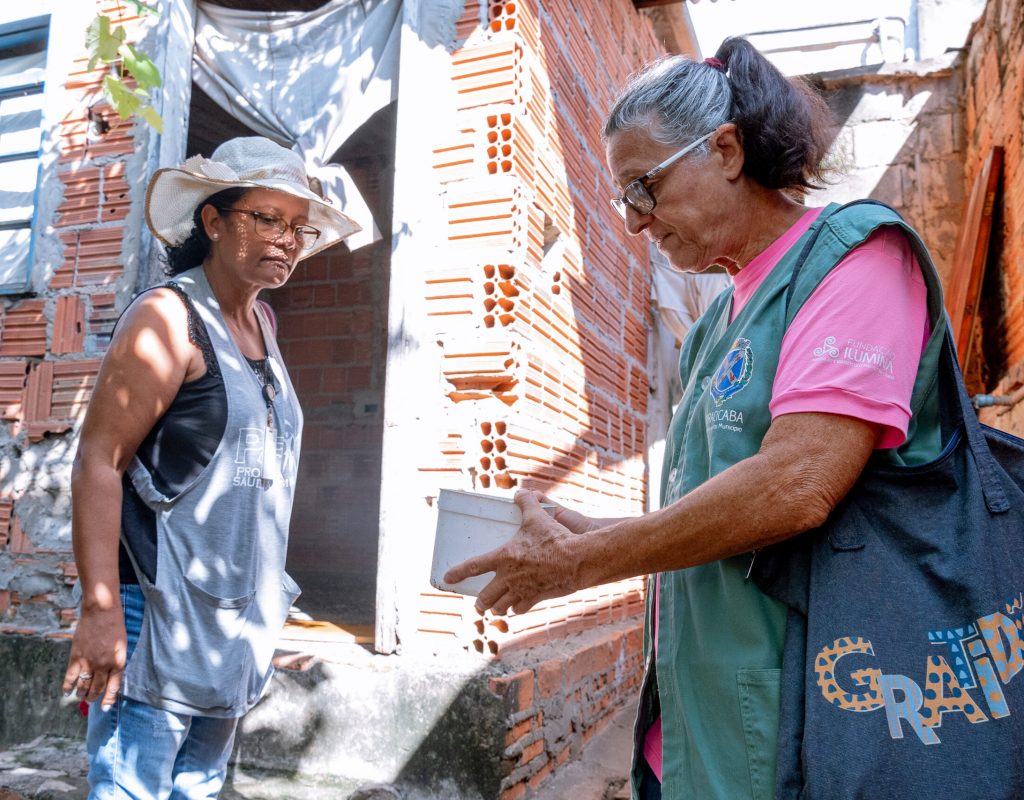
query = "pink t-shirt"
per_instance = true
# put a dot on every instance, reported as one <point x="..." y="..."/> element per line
<point x="852" y="349"/>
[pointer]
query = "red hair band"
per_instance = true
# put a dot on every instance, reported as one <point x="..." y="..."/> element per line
<point x="714" y="63"/>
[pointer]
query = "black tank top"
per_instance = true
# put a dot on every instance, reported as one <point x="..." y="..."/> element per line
<point x="175" y="451"/>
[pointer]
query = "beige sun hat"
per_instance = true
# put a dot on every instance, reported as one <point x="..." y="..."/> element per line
<point x="249" y="162"/>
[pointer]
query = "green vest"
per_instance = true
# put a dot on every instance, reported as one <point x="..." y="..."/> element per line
<point x="717" y="670"/>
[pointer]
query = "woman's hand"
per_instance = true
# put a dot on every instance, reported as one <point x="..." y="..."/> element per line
<point x="99" y="653"/>
<point x="536" y="564"/>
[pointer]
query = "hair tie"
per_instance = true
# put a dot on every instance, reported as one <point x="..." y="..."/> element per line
<point x="714" y="63"/>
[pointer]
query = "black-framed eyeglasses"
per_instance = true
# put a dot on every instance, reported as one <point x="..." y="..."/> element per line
<point x="637" y="196"/>
<point x="270" y="228"/>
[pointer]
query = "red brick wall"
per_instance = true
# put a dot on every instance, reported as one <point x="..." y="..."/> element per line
<point x="555" y="706"/>
<point x="994" y="82"/>
<point x="539" y="306"/>
<point x="333" y="323"/>
<point x="51" y="344"/>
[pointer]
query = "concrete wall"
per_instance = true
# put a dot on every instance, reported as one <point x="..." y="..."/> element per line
<point x="459" y="728"/>
<point x="901" y="141"/>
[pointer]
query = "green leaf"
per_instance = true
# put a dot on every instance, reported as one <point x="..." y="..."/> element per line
<point x="148" y="113"/>
<point x="142" y="8"/>
<point x="123" y="99"/>
<point x="140" y="67"/>
<point x="101" y="41"/>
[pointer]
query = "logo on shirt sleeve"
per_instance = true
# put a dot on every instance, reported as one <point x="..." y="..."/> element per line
<point x="855" y="353"/>
<point x="828" y="348"/>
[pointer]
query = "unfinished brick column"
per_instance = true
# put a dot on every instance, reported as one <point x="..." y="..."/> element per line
<point x="519" y="319"/>
<point x="538" y="303"/>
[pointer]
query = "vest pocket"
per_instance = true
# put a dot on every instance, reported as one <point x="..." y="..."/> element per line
<point x="216" y="600"/>
<point x="219" y="656"/>
<point x="759" y="708"/>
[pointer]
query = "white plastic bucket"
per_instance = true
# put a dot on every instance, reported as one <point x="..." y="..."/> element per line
<point x="469" y="524"/>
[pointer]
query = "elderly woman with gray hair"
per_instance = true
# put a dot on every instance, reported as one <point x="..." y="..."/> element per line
<point x="783" y="405"/>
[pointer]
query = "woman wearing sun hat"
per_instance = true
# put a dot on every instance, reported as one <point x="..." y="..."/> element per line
<point x="184" y="478"/>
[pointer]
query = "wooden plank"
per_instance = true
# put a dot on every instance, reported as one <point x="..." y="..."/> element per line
<point x="971" y="253"/>
<point x="299" y="630"/>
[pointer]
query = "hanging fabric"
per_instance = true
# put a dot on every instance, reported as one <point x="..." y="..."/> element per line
<point x="305" y="79"/>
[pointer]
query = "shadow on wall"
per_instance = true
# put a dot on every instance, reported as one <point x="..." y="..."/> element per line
<point x="566" y="317"/>
<point x="900" y="139"/>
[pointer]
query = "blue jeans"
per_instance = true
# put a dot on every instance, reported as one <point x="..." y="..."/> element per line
<point x="140" y="752"/>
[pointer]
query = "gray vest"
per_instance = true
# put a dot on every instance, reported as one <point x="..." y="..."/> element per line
<point x="221" y="594"/>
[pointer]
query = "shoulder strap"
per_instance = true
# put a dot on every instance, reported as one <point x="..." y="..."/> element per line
<point x="959" y="410"/>
<point x="197" y="333"/>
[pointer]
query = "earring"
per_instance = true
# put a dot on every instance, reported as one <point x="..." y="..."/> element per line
<point x="215" y="236"/>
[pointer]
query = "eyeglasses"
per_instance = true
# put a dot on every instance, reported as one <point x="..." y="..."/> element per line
<point x="270" y="227"/>
<point x="637" y="196"/>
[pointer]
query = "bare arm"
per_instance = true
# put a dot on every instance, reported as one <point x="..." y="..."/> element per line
<point x="806" y="465"/>
<point x="149" y="358"/>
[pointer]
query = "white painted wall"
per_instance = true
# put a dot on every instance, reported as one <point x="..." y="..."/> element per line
<point x="809" y="36"/>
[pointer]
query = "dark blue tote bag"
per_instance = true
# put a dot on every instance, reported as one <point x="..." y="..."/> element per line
<point x="903" y="673"/>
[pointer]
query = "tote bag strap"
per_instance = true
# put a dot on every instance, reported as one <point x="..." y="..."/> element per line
<point x="955" y="412"/>
<point x="988" y="468"/>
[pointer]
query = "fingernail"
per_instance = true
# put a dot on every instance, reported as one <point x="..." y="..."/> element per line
<point x="105" y="708"/>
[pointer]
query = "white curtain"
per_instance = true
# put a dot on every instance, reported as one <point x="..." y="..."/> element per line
<point x="305" y="79"/>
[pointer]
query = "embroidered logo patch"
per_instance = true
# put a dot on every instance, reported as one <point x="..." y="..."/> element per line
<point x="733" y="373"/>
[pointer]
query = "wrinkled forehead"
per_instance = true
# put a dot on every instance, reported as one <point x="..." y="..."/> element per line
<point x="632" y="153"/>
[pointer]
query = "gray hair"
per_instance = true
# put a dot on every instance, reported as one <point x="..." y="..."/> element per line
<point x="784" y="124"/>
<point x="675" y="100"/>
